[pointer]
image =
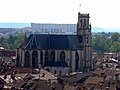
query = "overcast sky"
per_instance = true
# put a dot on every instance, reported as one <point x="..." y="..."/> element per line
<point x="103" y="13"/>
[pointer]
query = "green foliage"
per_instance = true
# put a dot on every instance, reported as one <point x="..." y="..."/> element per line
<point x="100" y="44"/>
<point x="11" y="42"/>
<point x="115" y="37"/>
<point x="104" y="42"/>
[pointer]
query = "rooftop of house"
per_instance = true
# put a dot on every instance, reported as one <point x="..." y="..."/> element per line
<point x="23" y="77"/>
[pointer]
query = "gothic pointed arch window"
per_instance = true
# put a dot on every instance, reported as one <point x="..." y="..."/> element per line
<point x="52" y="57"/>
<point x="76" y="61"/>
<point x="62" y="56"/>
<point x="88" y="22"/>
<point x="84" y="22"/>
<point x="60" y="72"/>
<point x="87" y="39"/>
<point x="46" y="57"/>
<point x="41" y="57"/>
<point x="18" y="59"/>
<point x="81" y="23"/>
<point x="35" y="59"/>
<point x="27" y="59"/>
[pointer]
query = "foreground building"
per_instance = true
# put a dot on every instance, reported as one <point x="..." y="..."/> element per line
<point x="59" y="53"/>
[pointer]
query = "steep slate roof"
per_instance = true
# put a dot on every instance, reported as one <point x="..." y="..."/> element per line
<point x="52" y="41"/>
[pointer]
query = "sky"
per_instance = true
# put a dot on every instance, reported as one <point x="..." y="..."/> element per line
<point x="103" y="13"/>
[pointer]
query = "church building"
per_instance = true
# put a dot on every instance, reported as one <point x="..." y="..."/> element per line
<point x="59" y="53"/>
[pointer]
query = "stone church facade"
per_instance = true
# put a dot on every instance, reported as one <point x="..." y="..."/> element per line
<point x="59" y="53"/>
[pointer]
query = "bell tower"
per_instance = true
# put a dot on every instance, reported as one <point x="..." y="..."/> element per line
<point x="83" y="23"/>
<point x="84" y="33"/>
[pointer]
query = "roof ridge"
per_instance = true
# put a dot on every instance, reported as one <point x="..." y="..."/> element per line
<point x="36" y="42"/>
<point x="29" y="41"/>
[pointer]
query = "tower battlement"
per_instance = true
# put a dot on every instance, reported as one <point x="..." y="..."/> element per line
<point x="80" y="15"/>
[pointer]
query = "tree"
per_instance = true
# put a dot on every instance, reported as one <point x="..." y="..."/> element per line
<point x="115" y="47"/>
<point x="115" y="37"/>
<point x="103" y="42"/>
<point x="100" y="44"/>
<point x="11" y="42"/>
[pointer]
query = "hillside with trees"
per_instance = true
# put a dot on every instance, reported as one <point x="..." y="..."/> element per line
<point x="106" y="42"/>
<point x="11" y="42"/>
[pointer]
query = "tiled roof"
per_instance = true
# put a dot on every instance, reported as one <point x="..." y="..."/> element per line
<point x="52" y="41"/>
<point x="106" y="72"/>
<point x="77" y="77"/>
<point x="2" y="81"/>
<point x="93" y="80"/>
